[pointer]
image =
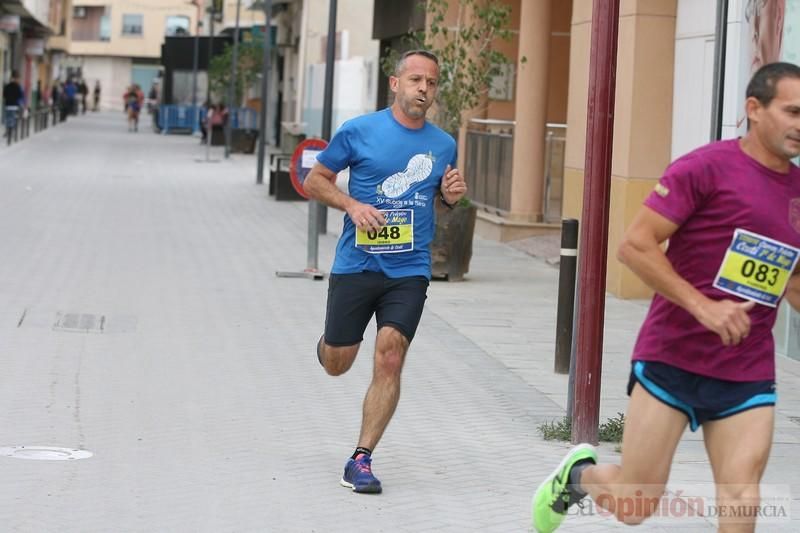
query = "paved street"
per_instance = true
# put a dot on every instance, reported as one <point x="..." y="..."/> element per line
<point x="141" y="320"/>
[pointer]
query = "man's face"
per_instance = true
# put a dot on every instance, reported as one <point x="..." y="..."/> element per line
<point x="415" y="88"/>
<point x="778" y="124"/>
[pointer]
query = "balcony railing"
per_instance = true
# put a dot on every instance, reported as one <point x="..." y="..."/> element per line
<point x="489" y="162"/>
<point x="489" y="165"/>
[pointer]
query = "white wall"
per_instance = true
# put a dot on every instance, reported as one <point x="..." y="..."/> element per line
<point x="694" y="73"/>
<point x="114" y="74"/>
<point x="355" y="72"/>
<point x="354" y="91"/>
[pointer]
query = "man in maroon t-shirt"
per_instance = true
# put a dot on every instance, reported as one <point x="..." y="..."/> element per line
<point x="705" y="353"/>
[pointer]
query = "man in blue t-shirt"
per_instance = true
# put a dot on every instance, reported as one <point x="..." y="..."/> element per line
<point x="399" y="165"/>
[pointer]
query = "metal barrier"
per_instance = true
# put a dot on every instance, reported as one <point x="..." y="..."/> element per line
<point x="244" y="118"/>
<point x="18" y="121"/>
<point x="179" y="117"/>
<point x="188" y="118"/>
<point x="489" y="163"/>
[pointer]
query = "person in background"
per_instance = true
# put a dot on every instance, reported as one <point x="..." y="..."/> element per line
<point x="71" y="93"/>
<point x="134" y="99"/>
<point x="83" y="90"/>
<point x="13" y="102"/>
<point x="96" y="96"/>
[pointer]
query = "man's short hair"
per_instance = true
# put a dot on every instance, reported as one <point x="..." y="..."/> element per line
<point x="401" y="62"/>
<point x="763" y="84"/>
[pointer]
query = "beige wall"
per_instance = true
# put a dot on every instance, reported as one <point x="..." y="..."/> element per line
<point x="643" y="123"/>
<point x="354" y="16"/>
<point x="558" y="64"/>
<point x="147" y="45"/>
<point x="247" y="17"/>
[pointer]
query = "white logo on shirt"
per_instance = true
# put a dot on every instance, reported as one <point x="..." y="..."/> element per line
<point x="418" y="169"/>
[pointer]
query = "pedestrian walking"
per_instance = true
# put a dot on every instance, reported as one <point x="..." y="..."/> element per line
<point x="705" y="355"/>
<point x="83" y="91"/>
<point x="13" y="103"/>
<point x="96" y="96"/>
<point x="71" y="94"/>
<point x="134" y="99"/>
<point x="399" y="164"/>
<point x="55" y="98"/>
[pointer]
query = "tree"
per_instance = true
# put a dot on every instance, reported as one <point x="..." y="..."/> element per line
<point x="467" y="60"/>
<point x="248" y="69"/>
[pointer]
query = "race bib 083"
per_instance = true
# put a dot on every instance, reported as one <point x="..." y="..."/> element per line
<point x="395" y="237"/>
<point x="756" y="268"/>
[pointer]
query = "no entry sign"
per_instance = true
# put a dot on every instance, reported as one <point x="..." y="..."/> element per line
<point x="303" y="159"/>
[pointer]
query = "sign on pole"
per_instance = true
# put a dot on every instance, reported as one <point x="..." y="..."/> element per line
<point x="303" y="159"/>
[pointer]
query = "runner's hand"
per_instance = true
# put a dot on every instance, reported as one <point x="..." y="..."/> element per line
<point x="453" y="185"/>
<point x="726" y="318"/>
<point x="366" y="217"/>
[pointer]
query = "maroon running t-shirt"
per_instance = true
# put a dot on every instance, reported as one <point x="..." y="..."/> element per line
<point x="711" y="193"/>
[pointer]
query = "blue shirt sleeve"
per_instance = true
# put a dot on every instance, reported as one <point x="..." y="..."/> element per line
<point x="338" y="155"/>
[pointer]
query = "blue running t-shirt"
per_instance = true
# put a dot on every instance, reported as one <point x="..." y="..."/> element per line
<point x="399" y="171"/>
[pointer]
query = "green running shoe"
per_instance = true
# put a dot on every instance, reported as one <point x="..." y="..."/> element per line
<point x="553" y="497"/>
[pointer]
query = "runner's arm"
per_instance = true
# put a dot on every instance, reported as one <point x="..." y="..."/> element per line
<point x="641" y="251"/>
<point x="319" y="186"/>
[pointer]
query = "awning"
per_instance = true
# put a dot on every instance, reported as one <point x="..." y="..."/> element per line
<point x="31" y="26"/>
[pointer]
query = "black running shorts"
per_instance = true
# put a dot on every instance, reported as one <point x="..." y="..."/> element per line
<point x="701" y="398"/>
<point x="354" y="298"/>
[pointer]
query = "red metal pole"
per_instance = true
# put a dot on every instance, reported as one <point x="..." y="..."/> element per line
<point x="594" y="223"/>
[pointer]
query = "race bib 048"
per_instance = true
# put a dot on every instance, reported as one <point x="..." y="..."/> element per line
<point x="396" y="236"/>
<point x="756" y="268"/>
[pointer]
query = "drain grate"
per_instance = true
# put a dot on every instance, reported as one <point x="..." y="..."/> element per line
<point x="80" y="322"/>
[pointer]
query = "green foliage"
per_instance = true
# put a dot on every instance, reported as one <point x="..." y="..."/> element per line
<point x="557" y="430"/>
<point x="609" y="431"/>
<point x="467" y="61"/>
<point x="248" y="68"/>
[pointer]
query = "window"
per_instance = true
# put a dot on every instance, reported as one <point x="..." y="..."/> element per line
<point x="132" y="24"/>
<point x="177" y="25"/>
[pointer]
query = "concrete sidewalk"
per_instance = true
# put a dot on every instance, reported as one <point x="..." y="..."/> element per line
<point x="201" y="397"/>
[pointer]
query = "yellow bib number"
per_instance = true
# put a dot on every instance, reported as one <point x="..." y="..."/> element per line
<point x="396" y="236"/>
<point x="756" y="268"/>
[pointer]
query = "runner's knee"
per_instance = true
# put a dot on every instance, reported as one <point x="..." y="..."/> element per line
<point x="738" y="492"/>
<point x="390" y="351"/>
<point x="338" y="359"/>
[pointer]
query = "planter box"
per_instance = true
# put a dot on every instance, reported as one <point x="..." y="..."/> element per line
<point x="451" y="249"/>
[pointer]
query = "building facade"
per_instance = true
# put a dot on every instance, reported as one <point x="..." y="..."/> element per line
<point x="29" y="40"/>
<point x="118" y="42"/>
<point x="523" y="149"/>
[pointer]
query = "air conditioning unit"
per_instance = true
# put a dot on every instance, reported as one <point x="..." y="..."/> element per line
<point x="79" y="12"/>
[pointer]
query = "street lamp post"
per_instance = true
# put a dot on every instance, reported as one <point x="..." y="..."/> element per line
<point x="232" y="84"/>
<point x="262" y="136"/>
<point x="195" y="65"/>
<point x="327" y="106"/>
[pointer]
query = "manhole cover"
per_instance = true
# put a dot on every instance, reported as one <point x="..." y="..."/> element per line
<point x="44" y="453"/>
<point x="80" y="322"/>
